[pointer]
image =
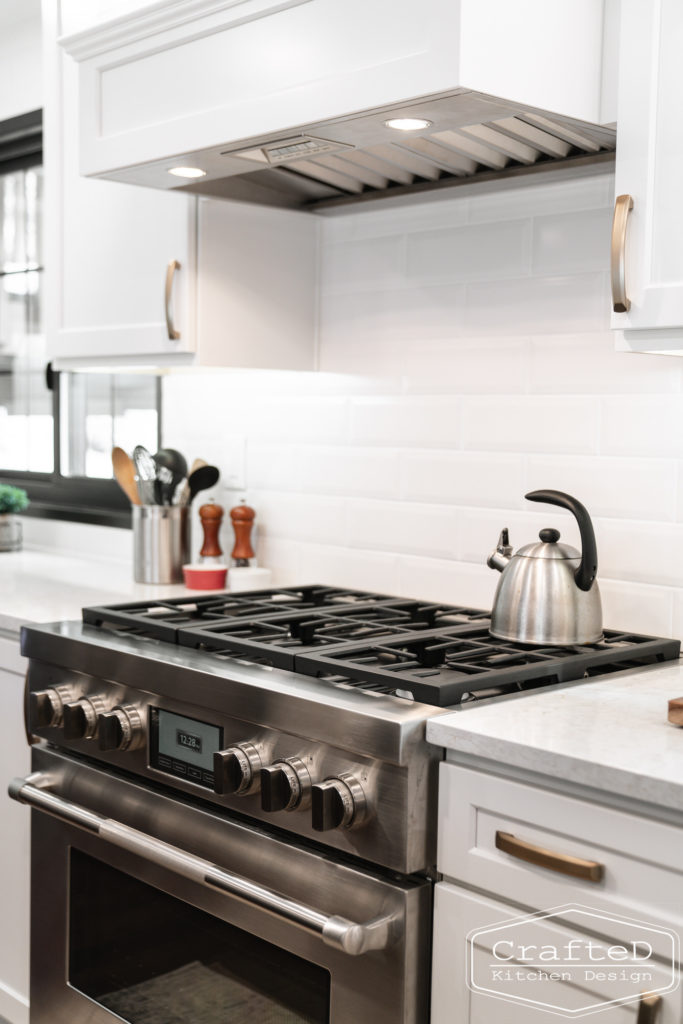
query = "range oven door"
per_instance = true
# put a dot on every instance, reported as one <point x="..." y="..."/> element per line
<point x="153" y="910"/>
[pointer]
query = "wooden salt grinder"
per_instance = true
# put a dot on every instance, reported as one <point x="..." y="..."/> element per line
<point x="242" y="522"/>
<point x="211" y="516"/>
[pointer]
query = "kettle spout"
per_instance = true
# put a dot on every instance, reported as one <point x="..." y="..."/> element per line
<point x="499" y="558"/>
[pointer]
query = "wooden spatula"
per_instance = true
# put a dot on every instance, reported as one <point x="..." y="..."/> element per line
<point x="124" y="471"/>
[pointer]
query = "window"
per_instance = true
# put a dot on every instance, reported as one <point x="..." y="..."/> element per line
<point x="56" y="429"/>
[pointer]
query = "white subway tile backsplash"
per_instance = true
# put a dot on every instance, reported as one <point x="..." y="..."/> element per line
<point x="433" y="579"/>
<point x="637" y="425"/>
<point x="531" y="423"/>
<point x="462" y="478"/>
<point x="401" y="421"/>
<point x="369" y="316"/>
<point x="537" y="199"/>
<point x="363" y="472"/>
<point x="403" y="527"/>
<point x="615" y="487"/>
<point x="466" y="358"/>
<point x="588" y="364"/>
<point x="370" y="263"/>
<point x="638" y="608"/>
<point x="571" y="242"/>
<point x="301" y="517"/>
<point x="467" y="366"/>
<point x="344" y="567"/>
<point x="472" y="252"/>
<point x="538" y="305"/>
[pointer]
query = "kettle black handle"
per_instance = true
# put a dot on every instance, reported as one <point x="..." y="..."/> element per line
<point x="587" y="571"/>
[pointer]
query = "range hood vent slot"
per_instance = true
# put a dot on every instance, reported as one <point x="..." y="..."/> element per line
<point x="469" y="137"/>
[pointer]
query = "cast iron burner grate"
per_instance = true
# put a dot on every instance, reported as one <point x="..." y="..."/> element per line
<point x="163" y="619"/>
<point x="451" y="666"/>
<point x="281" y="639"/>
<point x="433" y="653"/>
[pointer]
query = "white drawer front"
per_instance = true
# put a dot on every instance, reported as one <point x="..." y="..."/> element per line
<point x="641" y="860"/>
<point x="457" y="913"/>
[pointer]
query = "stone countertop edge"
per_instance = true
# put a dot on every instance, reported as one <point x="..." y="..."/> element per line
<point x="609" y="734"/>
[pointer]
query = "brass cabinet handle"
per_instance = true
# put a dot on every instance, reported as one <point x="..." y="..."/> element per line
<point x="589" y="870"/>
<point x="648" y="1008"/>
<point x="620" y="300"/>
<point x="173" y="334"/>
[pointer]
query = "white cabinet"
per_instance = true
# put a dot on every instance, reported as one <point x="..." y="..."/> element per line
<point x="15" y="855"/>
<point x="108" y="245"/>
<point x="458" y="913"/>
<point x="649" y="169"/>
<point x="137" y="276"/>
<point x="168" y="80"/>
<point x="512" y="851"/>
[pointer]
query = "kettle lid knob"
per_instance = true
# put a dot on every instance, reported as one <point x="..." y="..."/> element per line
<point x="549" y="535"/>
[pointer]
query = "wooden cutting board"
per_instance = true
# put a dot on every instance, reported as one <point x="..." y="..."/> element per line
<point x="676" y="711"/>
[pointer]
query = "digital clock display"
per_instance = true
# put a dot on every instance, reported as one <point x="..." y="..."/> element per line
<point x="188" y="741"/>
<point x="185" y="741"/>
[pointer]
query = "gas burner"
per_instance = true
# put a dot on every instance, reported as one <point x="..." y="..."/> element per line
<point x="447" y="667"/>
<point x="280" y="639"/>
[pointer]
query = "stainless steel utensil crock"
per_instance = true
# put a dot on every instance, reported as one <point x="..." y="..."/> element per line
<point x="161" y="543"/>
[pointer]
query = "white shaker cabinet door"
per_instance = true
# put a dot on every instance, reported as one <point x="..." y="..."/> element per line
<point x="15" y="854"/>
<point x="579" y="991"/>
<point x="647" y="246"/>
<point x="108" y="250"/>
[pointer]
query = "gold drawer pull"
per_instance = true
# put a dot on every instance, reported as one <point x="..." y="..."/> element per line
<point x="589" y="870"/>
<point x="620" y="300"/>
<point x="648" y="1008"/>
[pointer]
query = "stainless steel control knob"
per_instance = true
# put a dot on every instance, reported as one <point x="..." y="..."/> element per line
<point x="81" y="717"/>
<point x="285" y="785"/>
<point x="120" y="729"/>
<point x="46" y="707"/>
<point x="338" y="803"/>
<point x="236" y="770"/>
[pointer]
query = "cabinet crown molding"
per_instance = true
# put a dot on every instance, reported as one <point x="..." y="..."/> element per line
<point x="162" y="16"/>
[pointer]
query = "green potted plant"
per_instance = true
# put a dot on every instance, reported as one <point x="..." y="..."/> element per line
<point x="12" y="501"/>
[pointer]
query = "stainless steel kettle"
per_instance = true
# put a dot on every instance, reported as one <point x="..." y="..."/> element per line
<point x="547" y="593"/>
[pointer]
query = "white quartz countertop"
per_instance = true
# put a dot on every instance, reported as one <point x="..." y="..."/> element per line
<point x="610" y="734"/>
<point x="39" y="586"/>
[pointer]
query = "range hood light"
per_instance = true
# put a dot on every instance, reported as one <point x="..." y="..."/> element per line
<point x="187" y="172"/>
<point x="407" y="124"/>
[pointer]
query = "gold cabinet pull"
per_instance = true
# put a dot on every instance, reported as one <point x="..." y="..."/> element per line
<point x="648" y="1008"/>
<point x="173" y="334"/>
<point x="589" y="870"/>
<point x="620" y="300"/>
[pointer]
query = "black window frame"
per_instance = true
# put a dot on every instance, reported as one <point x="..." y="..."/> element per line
<point x="54" y="496"/>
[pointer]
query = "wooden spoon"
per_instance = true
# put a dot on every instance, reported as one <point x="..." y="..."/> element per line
<point x="124" y="471"/>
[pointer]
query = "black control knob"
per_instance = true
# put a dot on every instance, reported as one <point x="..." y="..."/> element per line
<point x="285" y="785"/>
<point x="81" y="718"/>
<point x="337" y="803"/>
<point x="236" y="770"/>
<point x="110" y="731"/>
<point x="120" y="729"/>
<point x="46" y="707"/>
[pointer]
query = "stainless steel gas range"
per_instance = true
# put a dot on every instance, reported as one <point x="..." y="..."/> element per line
<point x="235" y="805"/>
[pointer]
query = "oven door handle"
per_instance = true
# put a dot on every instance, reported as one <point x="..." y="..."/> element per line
<point x="338" y="932"/>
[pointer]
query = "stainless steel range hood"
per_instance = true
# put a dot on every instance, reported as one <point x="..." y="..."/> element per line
<point x="470" y="137"/>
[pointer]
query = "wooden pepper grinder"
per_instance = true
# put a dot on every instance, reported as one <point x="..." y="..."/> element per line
<point x="242" y="522"/>
<point x="211" y="516"/>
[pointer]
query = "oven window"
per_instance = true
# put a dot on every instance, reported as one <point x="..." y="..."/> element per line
<point x="152" y="959"/>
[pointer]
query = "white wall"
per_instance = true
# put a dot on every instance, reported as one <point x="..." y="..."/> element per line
<point x="21" y="74"/>
<point x="467" y="359"/>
